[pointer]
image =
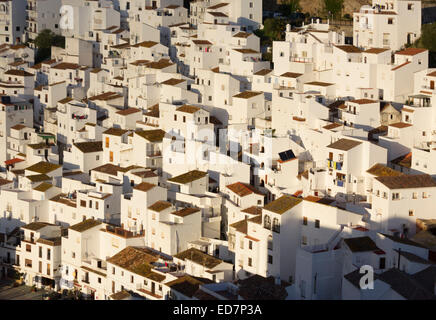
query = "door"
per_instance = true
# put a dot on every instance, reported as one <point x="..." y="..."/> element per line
<point x="330" y="155"/>
<point x="153" y="285"/>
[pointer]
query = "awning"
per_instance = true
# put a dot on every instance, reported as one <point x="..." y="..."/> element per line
<point x="13" y="161"/>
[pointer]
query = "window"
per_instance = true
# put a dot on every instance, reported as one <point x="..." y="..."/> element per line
<point x="28" y="248"/>
<point x="395" y="196"/>
<point x="73" y="255"/>
<point x="305" y="221"/>
<point x="175" y="117"/>
<point x="410" y="213"/>
<point x="250" y="262"/>
<point x="131" y="279"/>
<point x="424" y="195"/>
<point x="83" y="203"/>
<point x="317" y="223"/>
<point x="382" y="263"/>
<point x="48" y="254"/>
<point x="267" y="222"/>
<point x="304" y="240"/>
<point x="48" y="268"/>
<point x="270" y="259"/>
<point x="250" y="245"/>
<point x="40" y="267"/>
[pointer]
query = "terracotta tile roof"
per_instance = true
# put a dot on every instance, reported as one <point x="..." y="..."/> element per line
<point x="185" y="212"/>
<point x="173" y="81"/>
<point x="332" y="126"/>
<point x="253" y="210"/>
<point x="247" y="94"/>
<point x="66" y="65"/>
<point x="291" y="75"/>
<point x="326" y="201"/>
<point x="282" y="204"/>
<point x="38" y="177"/>
<point x="186" y="285"/>
<point x="240" y="226"/>
<point x="159" y="206"/>
<point x="411" y="51"/>
<point x="263" y="72"/>
<point x="128" y="111"/>
<point x="400" y="125"/>
<point x="151" y="135"/>
<point x="202" y="42"/>
<point x="144" y="186"/>
<point x="199" y="257"/>
<point x="43" y="167"/>
<point x="400" y="66"/>
<point x="137" y="260"/>
<point x="18" y="127"/>
<point x="20" y="73"/>
<point x="218" y="14"/>
<point x="243" y="189"/>
<point x="319" y="83"/>
<point x="35" y="226"/>
<point x="349" y="48"/>
<point x="106" y="96"/>
<point x="120" y="295"/>
<point x="380" y="170"/>
<point x="407" y="181"/>
<point x="145" y="44"/>
<point x="145" y="174"/>
<point x="43" y="187"/>
<point x="361" y="244"/>
<point x="242" y="35"/>
<point x="376" y="50"/>
<point x="89" y="146"/>
<point x="115" y="132"/>
<point x="188" y="177"/>
<point x="57" y="241"/>
<point x="110" y="169"/>
<point x="247" y="51"/>
<point x="85" y="225"/>
<point x="188" y="109"/>
<point x="344" y="144"/>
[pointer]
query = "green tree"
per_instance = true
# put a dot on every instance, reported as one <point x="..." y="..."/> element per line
<point x="333" y="7"/>
<point x="428" y="41"/>
<point x="428" y="37"/>
<point x="290" y="6"/>
<point x="44" y="41"/>
<point x="274" y="29"/>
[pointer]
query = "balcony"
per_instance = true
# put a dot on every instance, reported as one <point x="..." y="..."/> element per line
<point x="154" y="153"/>
<point x="335" y="165"/>
<point x="300" y="59"/>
